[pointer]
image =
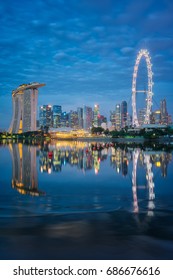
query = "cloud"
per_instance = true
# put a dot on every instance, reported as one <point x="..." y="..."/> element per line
<point x="127" y="50"/>
<point x="86" y="47"/>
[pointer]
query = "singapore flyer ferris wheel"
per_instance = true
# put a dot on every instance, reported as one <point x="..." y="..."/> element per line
<point x="135" y="122"/>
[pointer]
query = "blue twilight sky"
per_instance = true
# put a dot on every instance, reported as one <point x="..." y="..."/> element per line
<point x="84" y="50"/>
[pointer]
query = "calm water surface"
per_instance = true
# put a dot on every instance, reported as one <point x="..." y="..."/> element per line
<point x="76" y="200"/>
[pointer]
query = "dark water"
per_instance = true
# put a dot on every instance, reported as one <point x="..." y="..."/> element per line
<point x="76" y="200"/>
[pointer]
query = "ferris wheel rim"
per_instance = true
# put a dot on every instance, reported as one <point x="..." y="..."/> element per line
<point x="135" y="121"/>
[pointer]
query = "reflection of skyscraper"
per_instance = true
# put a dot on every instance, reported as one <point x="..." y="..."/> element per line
<point x="124" y="163"/>
<point x="24" y="108"/>
<point x="24" y="169"/>
<point x="165" y="159"/>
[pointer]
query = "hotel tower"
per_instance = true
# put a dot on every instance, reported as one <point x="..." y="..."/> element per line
<point x="24" y="108"/>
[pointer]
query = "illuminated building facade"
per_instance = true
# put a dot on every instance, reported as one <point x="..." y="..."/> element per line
<point x="156" y="117"/>
<point x="123" y="114"/>
<point x="164" y="112"/>
<point x="117" y="117"/>
<point x="57" y="112"/>
<point x="64" y="119"/>
<point x="73" y="119"/>
<point x="113" y="118"/>
<point x="80" y="117"/>
<point x="141" y="116"/>
<point x="45" y="116"/>
<point x="25" y="108"/>
<point x="96" y="115"/>
<point x="87" y="117"/>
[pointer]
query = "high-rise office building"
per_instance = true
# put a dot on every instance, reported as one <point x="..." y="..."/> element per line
<point x="45" y="115"/>
<point x="64" y="119"/>
<point x="123" y="114"/>
<point x="155" y="117"/>
<point x="164" y="112"/>
<point x="169" y="119"/>
<point x="42" y="116"/>
<point x="102" y="119"/>
<point x="112" y="118"/>
<point x="141" y="116"/>
<point x="129" y="120"/>
<point x="117" y="117"/>
<point x="96" y="115"/>
<point x="73" y="119"/>
<point x="25" y="108"/>
<point x="87" y="117"/>
<point x="57" y="111"/>
<point x="80" y="117"/>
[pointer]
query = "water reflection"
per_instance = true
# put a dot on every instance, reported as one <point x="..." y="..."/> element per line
<point x="88" y="157"/>
<point x="24" y="178"/>
<point x="84" y="156"/>
<point x="102" y="200"/>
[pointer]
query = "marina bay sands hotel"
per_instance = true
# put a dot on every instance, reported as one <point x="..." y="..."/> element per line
<point x="25" y="108"/>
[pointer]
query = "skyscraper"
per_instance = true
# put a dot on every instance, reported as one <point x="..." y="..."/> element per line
<point x="141" y="116"/>
<point x="96" y="115"/>
<point x="24" y="108"/>
<point x="156" y="117"/>
<point x="45" y="115"/>
<point x="64" y="119"/>
<point x="112" y="118"/>
<point x="87" y="117"/>
<point x="80" y="117"/>
<point x="123" y="114"/>
<point x="117" y="116"/>
<point x="57" y="111"/>
<point x="164" y="112"/>
<point x="73" y="119"/>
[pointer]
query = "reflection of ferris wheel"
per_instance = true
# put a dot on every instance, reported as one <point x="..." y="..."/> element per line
<point x="149" y="92"/>
<point x="150" y="181"/>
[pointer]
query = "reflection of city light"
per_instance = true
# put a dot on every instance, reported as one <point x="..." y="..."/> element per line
<point x="96" y="171"/>
<point x="41" y="169"/>
<point x="158" y="164"/>
<point x="118" y="170"/>
<point x="49" y="170"/>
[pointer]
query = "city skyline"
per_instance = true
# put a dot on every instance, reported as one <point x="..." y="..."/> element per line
<point x="73" y="48"/>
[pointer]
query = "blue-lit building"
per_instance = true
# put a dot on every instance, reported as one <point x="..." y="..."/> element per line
<point x="64" y="119"/>
<point x="80" y="117"/>
<point x="57" y="112"/>
<point x="87" y="117"/>
<point x="45" y="116"/>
